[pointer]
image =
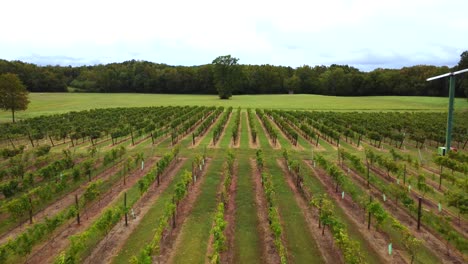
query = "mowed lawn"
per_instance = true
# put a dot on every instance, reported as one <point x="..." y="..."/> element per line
<point x="51" y="103"/>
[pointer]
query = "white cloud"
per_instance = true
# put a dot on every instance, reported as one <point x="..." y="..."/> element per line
<point x="357" y="32"/>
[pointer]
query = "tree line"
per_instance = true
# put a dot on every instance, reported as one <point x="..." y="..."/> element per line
<point x="148" y="77"/>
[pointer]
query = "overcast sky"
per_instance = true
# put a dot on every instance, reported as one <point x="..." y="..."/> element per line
<point x="363" y="33"/>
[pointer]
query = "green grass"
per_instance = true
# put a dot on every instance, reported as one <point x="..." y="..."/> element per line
<point x="244" y="131"/>
<point x="301" y="246"/>
<point x="316" y="187"/>
<point x="247" y="242"/>
<point x="226" y="139"/>
<point x="52" y="103"/>
<point x="195" y="232"/>
<point x="143" y="234"/>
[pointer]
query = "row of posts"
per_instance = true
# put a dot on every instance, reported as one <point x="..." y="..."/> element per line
<point x="384" y="197"/>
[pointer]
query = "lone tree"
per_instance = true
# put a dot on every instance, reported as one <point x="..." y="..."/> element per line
<point x="13" y="94"/>
<point x="226" y="73"/>
<point x="293" y="84"/>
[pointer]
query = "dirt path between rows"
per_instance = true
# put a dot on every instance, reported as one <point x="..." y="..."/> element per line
<point x="436" y="244"/>
<point x="281" y="132"/>
<point x="325" y="243"/>
<point x="376" y="240"/>
<point x="311" y="141"/>
<point x="59" y="205"/>
<point x="156" y="143"/>
<point x="252" y="145"/>
<point x="434" y="183"/>
<point x="189" y="132"/>
<point x="229" y="230"/>
<point x="267" y="242"/>
<point x="110" y="146"/>
<point x="278" y="144"/>
<point x="230" y="216"/>
<point x="111" y="245"/>
<point x="171" y="240"/>
<point x="426" y="202"/>
<point x="47" y="251"/>
<point x="222" y="133"/>
<point x="322" y="137"/>
<point x="239" y="134"/>
<point x="199" y="139"/>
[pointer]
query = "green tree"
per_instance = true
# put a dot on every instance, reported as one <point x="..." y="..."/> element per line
<point x="13" y="94"/>
<point x="226" y="72"/>
<point x="293" y="84"/>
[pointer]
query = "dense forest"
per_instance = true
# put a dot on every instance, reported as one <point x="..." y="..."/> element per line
<point x="149" y="77"/>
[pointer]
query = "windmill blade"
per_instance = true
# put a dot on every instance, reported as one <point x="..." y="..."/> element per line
<point x="446" y="75"/>
<point x="462" y="71"/>
<point x="439" y="76"/>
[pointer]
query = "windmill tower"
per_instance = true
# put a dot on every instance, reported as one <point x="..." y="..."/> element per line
<point x="448" y="134"/>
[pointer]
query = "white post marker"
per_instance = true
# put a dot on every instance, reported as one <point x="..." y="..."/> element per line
<point x="409" y="188"/>
<point x="440" y="207"/>
<point x="200" y="167"/>
<point x="390" y="249"/>
<point x="384" y="197"/>
<point x="142" y="164"/>
<point x="342" y="195"/>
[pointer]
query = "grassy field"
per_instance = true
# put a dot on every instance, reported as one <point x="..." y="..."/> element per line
<point x="51" y="103"/>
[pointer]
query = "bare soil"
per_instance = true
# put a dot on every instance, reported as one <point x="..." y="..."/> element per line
<point x="230" y="216"/>
<point x="199" y="139"/>
<point x="210" y="248"/>
<point x="59" y="205"/>
<point x="325" y="243"/>
<point x="252" y="145"/>
<point x="111" y="245"/>
<point x="305" y="137"/>
<point x="321" y="137"/>
<point x="268" y="249"/>
<point x="45" y="252"/>
<point x="171" y="239"/>
<point x="137" y="142"/>
<point x="110" y="146"/>
<point x="426" y="202"/>
<point x="188" y="133"/>
<point x="222" y="133"/>
<point x="298" y="147"/>
<point x="433" y="242"/>
<point x="376" y="240"/>
<point x="278" y="145"/>
<point x="239" y="132"/>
